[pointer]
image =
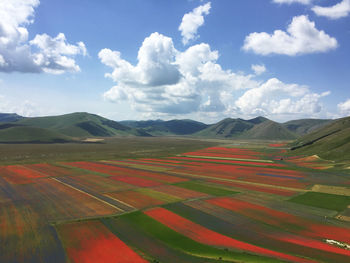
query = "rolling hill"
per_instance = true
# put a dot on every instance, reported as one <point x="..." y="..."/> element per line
<point x="227" y="128"/>
<point x="82" y="124"/>
<point x="305" y="126"/>
<point x="330" y="142"/>
<point x="13" y="133"/>
<point x="268" y="130"/>
<point x="172" y="127"/>
<point x="258" y="128"/>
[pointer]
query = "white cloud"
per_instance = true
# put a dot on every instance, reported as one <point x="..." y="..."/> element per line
<point x="24" y="108"/>
<point x="302" y="37"/>
<point x="344" y="108"/>
<point x="53" y="53"/>
<point x="43" y="53"/>
<point x="258" y="69"/>
<point x="305" y="2"/>
<point x="339" y="10"/>
<point x="192" y="21"/>
<point x="168" y="81"/>
<point x="275" y="98"/>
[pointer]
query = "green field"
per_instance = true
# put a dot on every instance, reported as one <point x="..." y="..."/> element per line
<point x="322" y="200"/>
<point x="179" y="242"/>
<point x="109" y="149"/>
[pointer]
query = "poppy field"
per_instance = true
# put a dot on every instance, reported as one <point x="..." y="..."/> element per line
<point x="217" y="204"/>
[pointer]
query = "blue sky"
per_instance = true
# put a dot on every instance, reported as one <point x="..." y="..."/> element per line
<point x="148" y="59"/>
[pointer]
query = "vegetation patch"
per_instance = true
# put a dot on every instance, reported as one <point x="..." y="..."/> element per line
<point x="180" y="242"/>
<point x="323" y="200"/>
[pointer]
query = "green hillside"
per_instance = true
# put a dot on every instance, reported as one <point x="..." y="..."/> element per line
<point x="258" y="128"/>
<point x="172" y="127"/>
<point x="82" y="124"/>
<point x="305" y="126"/>
<point x="330" y="142"/>
<point x="23" y="134"/>
<point x="227" y="128"/>
<point x="269" y="130"/>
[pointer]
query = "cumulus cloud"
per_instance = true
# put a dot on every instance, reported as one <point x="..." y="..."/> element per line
<point x="305" y="2"/>
<point x="24" y="108"/>
<point x="344" y="108"/>
<point x="54" y="53"/>
<point x="258" y="69"/>
<point x="277" y="98"/>
<point x="302" y="37"/>
<point x="43" y="53"/>
<point x="339" y="10"/>
<point x="166" y="80"/>
<point x="192" y="21"/>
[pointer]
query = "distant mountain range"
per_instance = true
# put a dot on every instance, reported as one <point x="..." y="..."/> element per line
<point x="172" y="127"/>
<point x="9" y="117"/>
<point x="81" y="125"/>
<point x="64" y="128"/>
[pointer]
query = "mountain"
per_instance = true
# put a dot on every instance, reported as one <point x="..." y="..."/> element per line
<point x="9" y="117"/>
<point x="172" y="127"/>
<point x="330" y="142"/>
<point x="305" y="126"/>
<point x="81" y="124"/>
<point x="259" y="128"/>
<point x="14" y="133"/>
<point x="227" y="128"/>
<point x="269" y="130"/>
<point x="257" y="120"/>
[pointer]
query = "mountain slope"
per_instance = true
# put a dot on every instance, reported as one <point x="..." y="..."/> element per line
<point x="228" y="128"/>
<point x="305" y="126"/>
<point x="81" y="124"/>
<point x="330" y="142"/>
<point x="22" y="134"/>
<point x="172" y="127"/>
<point x="9" y="117"/>
<point x="269" y="130"/>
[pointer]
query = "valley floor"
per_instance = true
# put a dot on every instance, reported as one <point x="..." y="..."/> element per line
<point x="171" y="200"/>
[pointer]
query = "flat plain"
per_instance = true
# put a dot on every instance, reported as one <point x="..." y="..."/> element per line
<point x="171" y="200"/>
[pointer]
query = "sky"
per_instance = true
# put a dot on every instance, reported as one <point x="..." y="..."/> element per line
<point x="176" y="59"/>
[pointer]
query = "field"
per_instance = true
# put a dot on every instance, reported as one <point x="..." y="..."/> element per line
<point x="175" y="200"/>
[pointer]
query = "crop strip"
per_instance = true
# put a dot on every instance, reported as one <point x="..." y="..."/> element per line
<point x="89" y="195"/>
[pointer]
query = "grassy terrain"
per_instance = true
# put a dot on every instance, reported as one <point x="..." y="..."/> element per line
<point x="258" y="128"/>
<point x="204" y="188"/>
<point x="329" y="142"/>
<point x="111" y="148"/>
<point x="23" y="134"/>
<point x="322" y="200"/>
<point x="172" y="127"/>
<point x="305" y="126"/>
<point x="179" y="242"/>
<point x="269" y="130"/>
<point x="226" y="128"/>
<point x="81" y="124"/>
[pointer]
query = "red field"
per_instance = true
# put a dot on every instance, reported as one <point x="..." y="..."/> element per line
<point x="280" y="219"/>
<point x="206" y="236"/>
<point x="92" y="242"/>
